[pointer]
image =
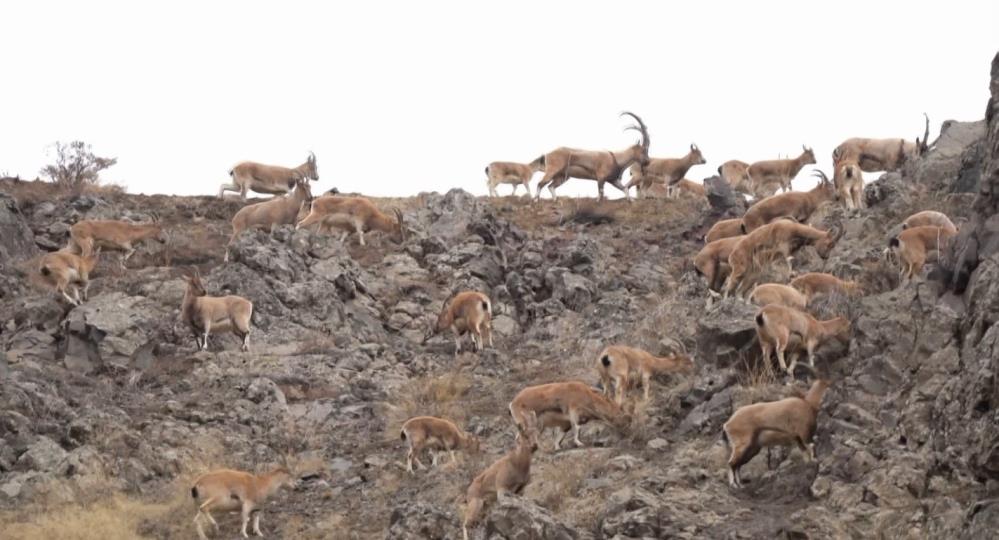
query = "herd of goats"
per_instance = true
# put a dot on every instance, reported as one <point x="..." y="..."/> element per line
<point x="771" y="230"/>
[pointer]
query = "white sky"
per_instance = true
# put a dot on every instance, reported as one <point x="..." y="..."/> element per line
<point x="401" y="97"/>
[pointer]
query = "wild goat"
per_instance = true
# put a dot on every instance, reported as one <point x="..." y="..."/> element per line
<point x="352" y="214"/>
<point x="509" y="474"/>
<point x="506" y="172"/>
<point x="271" y="213"/>
<point x="559" y="421"/>
<point x="790" y="421"/>
<point x="668" y="171"/>
<point x="929" y="218"/>
<point x="781" y="237"/>
<point x="725" y="228"/>
<point x="813" y="284"/>
<point x="776" y="324"/>
<point x="874" y="155"/>
<point x="736" y="173"/>
<point x="435" y="434"/>
<point x="573" y="399"/>
<point x="712" y="261"/>
<point x="775" y="293"/>
<point x="780" y="171"/>
<point x="689" y="187"/>
<point x="601" y="165"/>
<point x="63" y="269"/>
<point x="617" y="363"/>
<point x="271" y="179"/>
<point x="466" y="312"/>
<point x="212" y="314"/>
<point x="913" y="245"/>
<point x="797" y="205"/>
<point x="849" y="182"/>
<point x="112" y="235"/>
<point x="228" y="491"/>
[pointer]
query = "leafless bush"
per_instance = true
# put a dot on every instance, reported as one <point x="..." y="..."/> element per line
<point x="76" y="167"/>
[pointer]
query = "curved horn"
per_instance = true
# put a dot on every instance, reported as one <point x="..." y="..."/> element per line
<point x="399" y="220"/>
<point x="641" y="127"/>
<point x="926" y="135"/>
<point x="822" y="175"/>
<point x="312" y="156"/>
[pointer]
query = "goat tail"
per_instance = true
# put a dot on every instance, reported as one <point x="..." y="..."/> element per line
<point x="487" y="170"/>
<point x="760" y="321"/>
<point x="725" y="439"/>
<point x="605" y="360"/>
<point x="742" y="227"/>
<point x="46" y="271"/>
<point x="402" y="434"/>
<point x="487" y="306"/>
<point x="539" y="162"/>
<point x="894" y="242"/>
<point x="232" y="173"/>
<point x="719" y="170"/>
<point x="194" y="492"/>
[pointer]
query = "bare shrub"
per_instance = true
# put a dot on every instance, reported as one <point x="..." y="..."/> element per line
<point x="76" y="167"/>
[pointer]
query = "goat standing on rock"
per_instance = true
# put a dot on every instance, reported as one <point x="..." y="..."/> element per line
<point x="230" y="491"/>
<point x="777" y="324"/>
<point x="272" y="179"/>
<point x="207" y="314"/>
<point x="352" y="214"/>
<point x="466" y="312"/>
<point x="112" y="235"/>
<point x="509" y="474"/>
<point x="63" y="269"/>
<point x="271" y="213"/>
<point x="434" y="434"/>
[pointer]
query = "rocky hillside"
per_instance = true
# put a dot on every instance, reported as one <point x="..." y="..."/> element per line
<point x="107" y="413"/>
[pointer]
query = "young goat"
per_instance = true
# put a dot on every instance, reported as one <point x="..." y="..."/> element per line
<point x="250" y="176"/>
<point x="790" y="421"/>
<point x="875" y="155"/>
<point x="271" y="213"/>
<point x="668" y="171"/>
<point x="63" y="269"/>
<point x="725" y="228"/>
<point x="434" y="434"/>
<point x="813" y="284"/>
<point x="776" y="324"/>
<point x="797" y="205"/>
<point x="781" y="238"/>
<point x="736" y="173"/>
<point x="509" y="474"/>
<point x="712" y="261"/>
<point x="466" y="312"/>
<point x="929" y="218"/>
<point x="517" y="174"/>
<point x="775" y="293"/>
<point x="913" y="245"/>
<point x="574" y="400"/>
<point x="691" y="188"/>
<point x="112" y="235"/>
<point x="352" y="214"/>
<point x="780" y="171"/>
<point x="617" y="363"/>
<point x="229" y="491"/>
<point x="849" y="182"/>
<point x="212" y="314"/>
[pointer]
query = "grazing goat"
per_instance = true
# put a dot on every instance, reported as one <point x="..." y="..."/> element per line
<point x="352" y="214"/>
<point x="271" y="179"/>
<point x="790" y="421"/>
<point x="875" y="155"/>
<point x="212" y="314"/>
<point x="112" y="235"/>
<point x="781" y="237"/>
<point x="667" y="171"/>
<point x="559" y="421"/>
<point x="776" y="324"/>
<point x="517" y="174"/>
<point x="775" y="293"/>
<point x="601" y="165"/>
<point x="573" y="399"/>
<point x="849" y="182"/>
<point x="229" y="491"/>
<point x="736" y="173"/>
<point x="271" y="213"/>
<point x="813" y="284"/>
<point x="63" y="269"/>
<point x="712" y="261"/>
<point x="509" y="474"/>
<point x="617" y="363"/>
<point x="435" y="434"/>
<point x="725" y="228"/>
<point x="466" y="312"/>
<point x="913" y="245"/>
<point x="929" y="218"/>
<point x="796" y="205"/>
<point x="780" y="171"/>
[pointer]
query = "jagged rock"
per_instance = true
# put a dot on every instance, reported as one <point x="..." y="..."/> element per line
<point x="44" y="455"/>
<point x="721" y="196"/>
<point x="725" y="332"/>
<point x="126" y="322"/>
<point x="573" y="291"/>
<point x="954" y="161"/>
<point x="419" y="521"/>
<point x="17" y="242"/>
<point x="517" y="518"/>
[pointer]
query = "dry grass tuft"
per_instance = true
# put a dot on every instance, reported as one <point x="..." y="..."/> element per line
<point x="317" y="344"/>
<point x="756" y="372"/>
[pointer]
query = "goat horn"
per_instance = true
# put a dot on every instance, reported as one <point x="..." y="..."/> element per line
<point x="926" y="134"/>
<point x="822" y="175"/>
<point x="641" y="125"/>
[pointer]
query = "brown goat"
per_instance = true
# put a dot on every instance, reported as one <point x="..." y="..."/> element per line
<point x="517" y="174"/>
<point x="271" y="213"/>
<point x="712" y="261"/>
<point x="617" y="363"/>
<point x="112" y="235"/>
<point x="725" y="228"/>
<point x="466" y="312"/>
<point x="875" y="155"/>
<point x="797" y="205"/>
<point x="929" y="218"/>
<point x="428" y="432"/>
<point x="775" y="293"/>
<point x="782" y="238"/>
<point x="352" y="214"/>
<point x="790" y="421"/>
<point x="573" y="399"/>
<point x="813" y="284"/>
<point x="849" y="182"/>
<point x="509" y="474"/>
<point x="229" y="491"/>
<point x="736" y="173"/>
<point x="776" y="325"/>
<point x="63" y="269"/>
<point x="211" y="314"/>
<point x="667" y="171"/>
<point x="780" y="171"/>
<point x="913" y="245"/>
<point x="272" y="179"/>
<point x="603" y="166"/>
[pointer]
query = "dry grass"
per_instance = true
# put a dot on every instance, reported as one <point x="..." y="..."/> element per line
<point x="317" y="343"/>
<point x="756" y="372"/>
<point x="429" y="396"/>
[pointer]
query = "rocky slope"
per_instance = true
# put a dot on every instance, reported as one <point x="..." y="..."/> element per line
<point x="107" y="413"/>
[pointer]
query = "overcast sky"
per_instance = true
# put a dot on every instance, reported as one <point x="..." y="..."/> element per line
<point x="401" y="97"/>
